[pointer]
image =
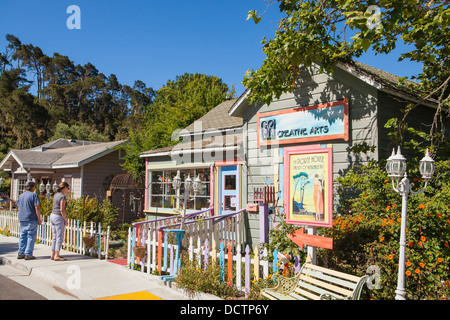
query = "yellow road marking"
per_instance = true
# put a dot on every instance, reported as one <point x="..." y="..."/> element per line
<point x="141" y="295"/>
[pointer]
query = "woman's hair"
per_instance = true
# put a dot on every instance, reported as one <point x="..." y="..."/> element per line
<point x="61" y="186"/>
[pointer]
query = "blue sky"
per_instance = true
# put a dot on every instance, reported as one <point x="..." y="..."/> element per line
<point x="154" y="41"/>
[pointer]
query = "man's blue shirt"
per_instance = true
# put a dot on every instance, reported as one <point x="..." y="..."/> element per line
<point x="26" y="203"/>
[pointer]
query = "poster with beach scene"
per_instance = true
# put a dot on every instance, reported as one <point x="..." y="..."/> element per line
<point x="308" y="186"/>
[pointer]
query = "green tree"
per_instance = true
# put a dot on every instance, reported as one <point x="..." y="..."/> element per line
<point x="78" y="132"/>
<point x="326" y="32"/>
<point x="177" y="104"/>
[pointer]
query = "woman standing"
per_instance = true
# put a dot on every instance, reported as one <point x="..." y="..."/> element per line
<point x="58" y="218"/>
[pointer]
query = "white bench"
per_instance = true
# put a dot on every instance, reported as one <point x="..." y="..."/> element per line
<point x="316" y="283"/>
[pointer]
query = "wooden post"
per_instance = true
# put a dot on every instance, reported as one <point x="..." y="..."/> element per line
<point x="230" y="265"/>
<point x="247" y="271"/>
<point x="206" y="254"/>
<point x="256" y="263"/>
<point x="312" y="250"/>
<point x="263" y="222"/>
<point x="238" y="267"/>
<point x="222" y="262"/>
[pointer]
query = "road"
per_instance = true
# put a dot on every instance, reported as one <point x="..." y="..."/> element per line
<point x="16" y="284"/>
<point x="12" y="290"/>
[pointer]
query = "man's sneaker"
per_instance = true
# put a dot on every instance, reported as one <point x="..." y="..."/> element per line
<point x="20" y="256"/>
<point x="29" y="257"/>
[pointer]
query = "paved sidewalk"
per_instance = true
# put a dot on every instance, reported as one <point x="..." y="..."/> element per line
<point x="87" y="278"/>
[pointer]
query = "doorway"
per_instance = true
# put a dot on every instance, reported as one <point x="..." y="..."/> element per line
<point x="229" y="189"/>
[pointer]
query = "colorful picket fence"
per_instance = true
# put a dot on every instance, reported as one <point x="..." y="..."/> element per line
<point x="83" y="238"/>
<point x="207" y="239"/>
<point x="200" y="225"/>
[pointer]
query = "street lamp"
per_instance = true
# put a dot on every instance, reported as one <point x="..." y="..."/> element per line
<point x="396" y="169"/>
<point x="189" y="186"/>
<point x="42" y="188"/>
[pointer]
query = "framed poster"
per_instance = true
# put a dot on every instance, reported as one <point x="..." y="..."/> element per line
<point x="326" y="121"/>
<point x="308" y="185"/>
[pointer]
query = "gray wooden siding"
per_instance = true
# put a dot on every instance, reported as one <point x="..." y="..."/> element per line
<point x="420" y="118"/>
<point x="97" y="171"/>
<point x="313" y="88"/>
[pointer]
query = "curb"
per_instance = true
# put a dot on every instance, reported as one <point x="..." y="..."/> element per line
<point x="17" y="265"/>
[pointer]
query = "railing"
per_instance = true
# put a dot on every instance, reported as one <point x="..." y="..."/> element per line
<point x="79" y="237"/>
<point x="216" y="239"/>
<point x="149" y="236"/>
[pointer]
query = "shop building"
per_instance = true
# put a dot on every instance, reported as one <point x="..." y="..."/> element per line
<point x="210" y="150"/>
<point x="303" y="141"/>
<point x="298" y="145"/>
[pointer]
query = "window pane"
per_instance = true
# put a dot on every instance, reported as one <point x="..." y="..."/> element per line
<point x="157" y="180"/>
<point x="230" y="203"/>
<point x="230" y="182"/>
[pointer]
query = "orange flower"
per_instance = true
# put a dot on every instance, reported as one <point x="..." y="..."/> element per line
<point x="390" y="257"/>
<point x="381" y="239"/>
<point x="439" y="215"/>
<point x="417" y="271"/>
<point x="387" y="180"/>
<point x="422" y="264"/>
<point x="408" y="264"/>
<point x="399" y="219"/>
<point x="446" y="244"/>
<point x="387" y="208"/>
<point x="394" y="205"/>
<point x="422" y="238"/>
<point x="408" y="273"/>
<point x="391" y="221"/>
<point x="439" y="260"/>
<point x="420" y="243"/>
<point x="421" y="206"/>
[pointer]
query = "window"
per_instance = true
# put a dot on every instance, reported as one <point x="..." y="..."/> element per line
<point x="21" y="186"/>
<point x="162" y="194"/>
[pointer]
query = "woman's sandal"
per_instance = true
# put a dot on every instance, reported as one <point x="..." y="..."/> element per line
<point x="60" y="259"/>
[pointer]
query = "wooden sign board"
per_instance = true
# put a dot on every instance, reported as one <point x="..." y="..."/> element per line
<point x="300" y="238"/>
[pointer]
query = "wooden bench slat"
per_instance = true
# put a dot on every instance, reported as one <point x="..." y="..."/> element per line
<point x="307" y="294"/>
<point x="333" y="272"/>
<point x="297" y="296"/>
<point x="325" y="285"/>
<point x="340" y="282"/>
<point x="319" y="291"/>
<point x="273" y="295"/>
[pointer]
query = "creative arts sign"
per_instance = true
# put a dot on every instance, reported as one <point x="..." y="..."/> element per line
<point x="320" y="122"/>
<point x="308" y="185"/>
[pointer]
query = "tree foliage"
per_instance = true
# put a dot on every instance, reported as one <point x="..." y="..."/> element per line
<point x="177" y="104"/>
<point x="78" y="96"/>
<point x="326" y="32"/>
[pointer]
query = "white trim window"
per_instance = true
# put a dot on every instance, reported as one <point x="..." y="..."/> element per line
<point x="21" y="183"/>
<point x="162" y="194"/>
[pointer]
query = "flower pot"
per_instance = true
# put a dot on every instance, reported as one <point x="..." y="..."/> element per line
<point x="139" y="251"/>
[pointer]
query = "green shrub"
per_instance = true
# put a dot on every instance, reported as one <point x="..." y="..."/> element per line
<point x="367" y="232"/>
<point x="85" y="209"/>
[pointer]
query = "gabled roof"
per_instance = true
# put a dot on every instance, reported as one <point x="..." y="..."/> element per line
<point x="59" y="154"/>
<point x="377" y="78"/>
<point x="217" y="122"/>
<point x="217" y="119"/>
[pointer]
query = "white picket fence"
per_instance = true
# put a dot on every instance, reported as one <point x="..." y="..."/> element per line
<point x="73" y="235"/>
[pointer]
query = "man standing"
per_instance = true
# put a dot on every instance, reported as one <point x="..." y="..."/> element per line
<point x="29" y="218"/>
